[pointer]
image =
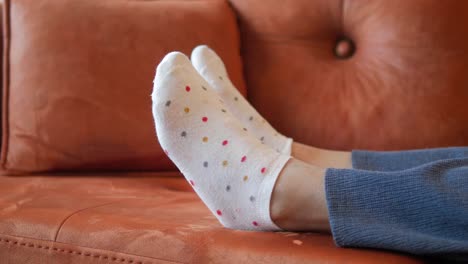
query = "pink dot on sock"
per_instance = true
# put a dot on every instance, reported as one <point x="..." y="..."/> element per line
<point x="192" y="183"/>
<point x="263" y="170"/>
<point x="187" y="88"/>
<point x="205" y="119"/>
<point x="225" y="142"/>
<point x="244" y="159"/>
<point x="219" y="212"/>
<point x="254" y="223"/>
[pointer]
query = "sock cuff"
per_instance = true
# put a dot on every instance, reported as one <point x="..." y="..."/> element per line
<point x="287" y="148"/>
<point x="266" y="190"/>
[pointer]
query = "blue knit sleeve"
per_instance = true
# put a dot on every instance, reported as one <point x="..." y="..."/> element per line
<point x="422" y="211"/>
<point x="402" y="160"/>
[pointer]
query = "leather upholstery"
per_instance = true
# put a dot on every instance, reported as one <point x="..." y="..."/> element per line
<point x="76" y="97"/>
<point x="147" y="217"/>
<point x="405" y="86"/>
<point x="79" y="78"/>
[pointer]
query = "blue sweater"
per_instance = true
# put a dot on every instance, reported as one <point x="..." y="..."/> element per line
<point x="411" y="201"/>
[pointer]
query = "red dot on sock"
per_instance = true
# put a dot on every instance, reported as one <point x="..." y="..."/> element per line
<point x="192" y="183"/>
<point x="219" y="212"/>
<point x="205" y="119"/>
<point x="187" y="88"/>
<point x="225" y="142"/>
<point x="263" y="170"/>
<point x="244" y="159"/>
<point x="254" y="223"/>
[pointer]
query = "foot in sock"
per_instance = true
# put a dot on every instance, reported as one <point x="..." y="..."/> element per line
<point x="232" y="171"/>
<point x="211" y="67"/>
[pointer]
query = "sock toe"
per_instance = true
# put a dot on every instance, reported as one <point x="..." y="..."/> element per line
<point x="203" y="57"/>
<point x="170" y="61"/>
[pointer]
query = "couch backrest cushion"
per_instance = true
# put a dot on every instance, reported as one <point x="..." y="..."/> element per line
<point x="79" y="77"/>
<point x="405" y="86"/>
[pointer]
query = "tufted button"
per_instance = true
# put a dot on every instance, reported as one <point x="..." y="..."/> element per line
<point x="344" y="48"/>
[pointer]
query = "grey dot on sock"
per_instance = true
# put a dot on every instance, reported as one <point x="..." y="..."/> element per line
<point x="168" y="103"/>
<point x="203" y="87"/>
<point x="235" y="98"/>
<point x="221" y="78"/>
<point x="252" y="198"/>
<point x="205" y="164"/>
<point x="228" y="188"/>
<point x="262" y="138"/>
<point x="245" y="129"/>
<point x="183" y="134"/>
<point x="251" y="118"/>
<point x="223" y="110"/>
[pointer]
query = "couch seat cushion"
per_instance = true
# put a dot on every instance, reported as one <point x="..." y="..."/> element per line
<point x="142" y="218"/>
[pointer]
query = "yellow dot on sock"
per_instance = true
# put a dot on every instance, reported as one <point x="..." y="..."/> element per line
<point x="246" y="178"/>
<point x="186" y="109"/>
<point x="225" y="163"/>
<point x="205" y="139"/>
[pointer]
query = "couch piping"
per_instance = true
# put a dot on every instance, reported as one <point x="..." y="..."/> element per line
<point x="95" y="256"/>
<point x="6" y="82"/>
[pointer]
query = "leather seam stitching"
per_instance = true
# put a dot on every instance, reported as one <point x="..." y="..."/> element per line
<point x="75" y="252"/>
<point x="79" y="253"/>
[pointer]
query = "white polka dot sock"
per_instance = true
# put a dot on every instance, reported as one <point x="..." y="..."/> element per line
<point x="232" y="172"/>
<point x="211" y="67"/>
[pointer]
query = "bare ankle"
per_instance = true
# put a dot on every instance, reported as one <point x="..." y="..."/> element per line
<point x="298" y="202"/>
<point x="322" y="157"/>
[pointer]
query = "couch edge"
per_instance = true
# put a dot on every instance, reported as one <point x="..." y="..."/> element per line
<point x="15" y="249"/>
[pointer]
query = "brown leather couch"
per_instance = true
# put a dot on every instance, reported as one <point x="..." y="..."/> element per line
<point x="83" y="177"/>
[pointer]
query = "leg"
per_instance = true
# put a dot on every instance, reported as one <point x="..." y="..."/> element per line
<point x="374" y="160"/>
<point x="423" y="210"/>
